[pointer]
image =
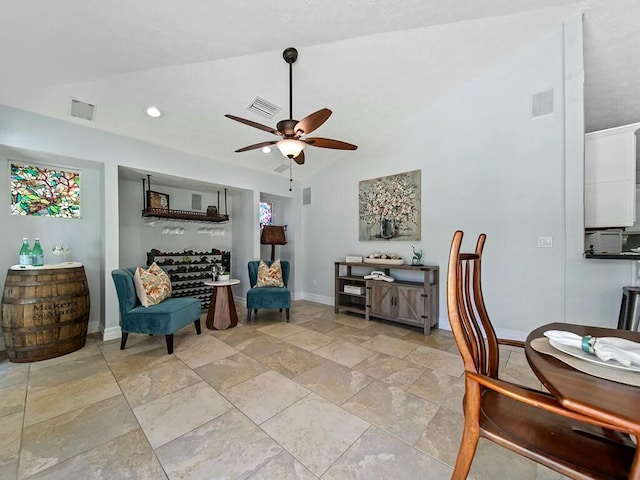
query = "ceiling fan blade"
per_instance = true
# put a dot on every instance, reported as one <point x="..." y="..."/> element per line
<point x="309" y="123"/>
<point x="254" y="124"/>
<point x="300" y="158"/>
<point x="256" y="145"/>
<point x="329" y="143"/>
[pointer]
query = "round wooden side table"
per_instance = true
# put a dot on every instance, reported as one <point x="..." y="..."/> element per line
<point x="222" y="309"/>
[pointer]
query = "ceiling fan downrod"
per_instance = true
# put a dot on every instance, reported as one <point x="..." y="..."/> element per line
<point x="290" y="56"/>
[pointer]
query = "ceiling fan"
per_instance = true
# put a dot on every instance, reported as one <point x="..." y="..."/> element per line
<point x="293" y="131"/>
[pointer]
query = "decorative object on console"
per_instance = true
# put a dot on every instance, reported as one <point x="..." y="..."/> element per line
<point x="384" y="259"/>
<point x="273" y="235"/>
<point x="353" y="259"/>
<point x="417" y="256"/>
<point x="390" y="207"/>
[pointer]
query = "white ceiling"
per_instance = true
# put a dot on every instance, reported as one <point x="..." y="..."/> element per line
<point x="372" y="62"/>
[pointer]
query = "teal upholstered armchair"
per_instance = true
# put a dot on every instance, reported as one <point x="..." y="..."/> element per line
<point x="164" y="318"/>
<point x="268" y="297"/>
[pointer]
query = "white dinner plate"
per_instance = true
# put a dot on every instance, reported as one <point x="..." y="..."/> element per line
<point x="579" y="353"/>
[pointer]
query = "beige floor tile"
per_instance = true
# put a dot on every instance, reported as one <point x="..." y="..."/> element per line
<point x="392" y="409"/>
<point x="333" y="381"/>
<point x="12" y="374"/>
<point x="52" y="441"/>
<point x="352" y="334"/>
<point x="136" y="344"/>
<point x="11" y="428"/>
<point x="159" y="380"/>
<point x="202" y="349"/>
<point x="309" y="340"/>
<point x="292" y="361"/>
<point x="437" y="338"/>
<point x="230" y="446"/>
<point x="320" y="325"/>
<point x="64" y="372"/>
<point x="493" y="462"/>
<point x="230" y="371"/>
<point x="441" y="438"/>
<point x="281" y="330"/>
<point x="90" y="348"/>
<point x="352" y="321"/>
<point x="46" y="403"/>
<point x="391" y="346"/>
<point x="236" y="335"/>
<point x="377" y="455"/>
<point x="391" y="329"/>
<point x="283" y="467"/>
<point x="261" y="346"/>
<point x="344" y="353"/>
<point x="12" y="399"/>
<point x="391" y="370"/>
<point x="435" y="359"/>
<point x="264" y="395"/>
<point x="441" y="388"/>
<point x="126" y="457"/>
<point x="138" y="359"/>
<point x="166" y="418"/>
<point x="315" y="431"/>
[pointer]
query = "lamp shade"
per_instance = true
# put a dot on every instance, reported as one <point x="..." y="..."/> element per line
<point x="290" y="148"/>
<point x="273" y="235"/>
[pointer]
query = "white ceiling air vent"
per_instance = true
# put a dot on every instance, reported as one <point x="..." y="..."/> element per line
<point x="83" y="110"/>
<point x="542" y="103"/>
<point x="263" y="107"/>
<point x="281" y="168"/>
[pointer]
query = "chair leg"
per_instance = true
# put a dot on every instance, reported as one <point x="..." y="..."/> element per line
<point x="287" y="314"/>
<point x="280" y="310"/>
<point x="470" y="432"/>
<point x="248" y="316"/>
<point x="197" y="324"/>
<point x="123" y="340"/>
<point x="169" y="343"/>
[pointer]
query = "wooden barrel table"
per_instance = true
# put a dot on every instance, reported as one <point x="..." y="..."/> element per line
<point x="45" y="311"/>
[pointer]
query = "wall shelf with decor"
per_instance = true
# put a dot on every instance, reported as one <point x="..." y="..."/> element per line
<point x="157" y="205"/>
<point x="188" y="270"/>
<point x="409" y="302"/>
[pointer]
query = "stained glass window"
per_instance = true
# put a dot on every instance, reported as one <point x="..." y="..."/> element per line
<point x="266" y="213"/>
<point x="44" y="191"/>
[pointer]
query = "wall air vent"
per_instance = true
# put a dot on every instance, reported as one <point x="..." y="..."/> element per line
<point x="263" y="107"/>
<point x="542" y="103"/>
<point x="83" y="110"/>
<point x="281" y="168"/>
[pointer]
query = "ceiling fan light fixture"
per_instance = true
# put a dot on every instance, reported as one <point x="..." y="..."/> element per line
<point x="290" y="148"/>
<point x="266" y="149"/>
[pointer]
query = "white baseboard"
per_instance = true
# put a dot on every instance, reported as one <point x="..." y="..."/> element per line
<point x="312" y="297"/>
<point x="111" y="333"/>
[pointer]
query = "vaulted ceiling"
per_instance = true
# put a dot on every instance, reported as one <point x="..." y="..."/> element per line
<point x="371" y="62"/>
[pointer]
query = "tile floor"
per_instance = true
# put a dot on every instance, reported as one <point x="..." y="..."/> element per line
<point x="326" y="396"/>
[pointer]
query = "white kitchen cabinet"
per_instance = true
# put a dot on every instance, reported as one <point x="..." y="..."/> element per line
<point x="610" y="177"/>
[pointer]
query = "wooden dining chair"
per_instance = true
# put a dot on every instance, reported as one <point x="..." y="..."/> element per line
<point x="526" y="421"/>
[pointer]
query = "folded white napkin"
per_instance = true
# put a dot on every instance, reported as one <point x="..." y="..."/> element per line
<point x="624" y="351"/>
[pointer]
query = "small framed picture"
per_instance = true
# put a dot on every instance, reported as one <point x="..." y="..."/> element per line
<point x="157" y="200"/>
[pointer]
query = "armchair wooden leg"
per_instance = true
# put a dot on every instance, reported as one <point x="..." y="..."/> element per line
<point x="123" y="340"/>
<point x="287" y="314"/>
<point x="197" y="324"/>
<point x="169" y="343"/>
<point x="248" y="315"/>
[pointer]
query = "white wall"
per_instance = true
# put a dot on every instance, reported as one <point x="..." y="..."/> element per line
<point x="486" y="167"/>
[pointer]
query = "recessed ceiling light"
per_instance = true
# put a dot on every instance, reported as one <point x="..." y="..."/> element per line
<point x="266" y="149"/>
<point x="154" y="112"/>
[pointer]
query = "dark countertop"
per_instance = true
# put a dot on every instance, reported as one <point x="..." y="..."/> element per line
<point x="613" y="256"/>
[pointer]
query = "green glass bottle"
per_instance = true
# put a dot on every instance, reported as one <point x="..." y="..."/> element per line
<point x="37" y="254"/>
<point x="25" y="253"/>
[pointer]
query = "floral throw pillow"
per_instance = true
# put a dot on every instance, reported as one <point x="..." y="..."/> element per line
<point x="270" y="276"/>
<point x="152" y="285"/>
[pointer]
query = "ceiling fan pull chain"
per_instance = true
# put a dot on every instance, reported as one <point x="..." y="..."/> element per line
<point x="290" y="175"/>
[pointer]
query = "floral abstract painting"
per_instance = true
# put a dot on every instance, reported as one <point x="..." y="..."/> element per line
<point x="45" y="192"/>
<point x="390" y="207"/>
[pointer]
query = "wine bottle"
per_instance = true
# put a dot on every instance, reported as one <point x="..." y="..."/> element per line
<point x="25" y="253"/>
<point x="37" y="254"/>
